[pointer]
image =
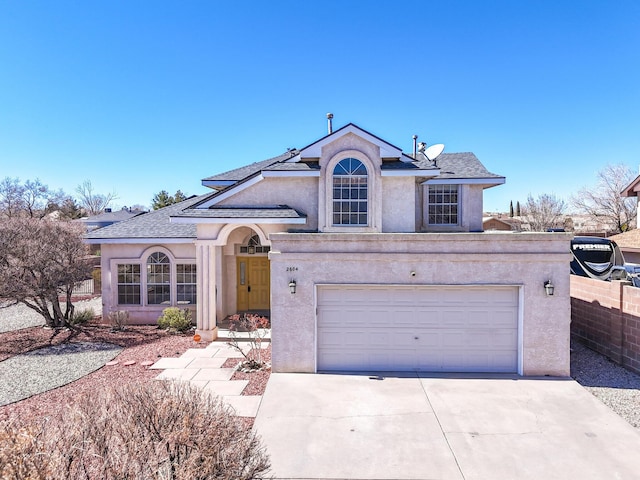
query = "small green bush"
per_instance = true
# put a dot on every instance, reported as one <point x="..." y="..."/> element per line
<point x="173" y="318"/>
<point x="78" y="317"/>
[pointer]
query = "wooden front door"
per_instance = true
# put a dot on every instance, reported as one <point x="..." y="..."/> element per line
<point x="253" y="283"/>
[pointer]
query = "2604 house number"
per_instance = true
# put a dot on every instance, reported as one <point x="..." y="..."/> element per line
<point x="292" y="269"/>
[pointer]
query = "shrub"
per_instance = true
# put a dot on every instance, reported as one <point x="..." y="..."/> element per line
<point x="157" y="430"/>
<point x="79" y="317"/>
<point x="173" y="318"/>
<point x="119" y="320"/>
<point x="257" y="328"/>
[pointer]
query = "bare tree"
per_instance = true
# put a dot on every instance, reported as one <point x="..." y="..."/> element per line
<point x="11" y="197"/>
<point x="604" y="202"/>
<point x="544" y="212"/>
<point x="93" y="203"/>
<point x="41" y="260"/>
<point x="32" y="199"/>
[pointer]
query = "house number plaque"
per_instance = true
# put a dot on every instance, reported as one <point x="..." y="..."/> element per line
<point x="292" y="269"/>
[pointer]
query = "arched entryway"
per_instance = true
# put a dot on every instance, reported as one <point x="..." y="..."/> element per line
<point x="253" y="279"/>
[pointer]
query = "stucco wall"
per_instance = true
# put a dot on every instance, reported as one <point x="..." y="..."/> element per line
<point x="298" y="193"/>
<point x="124" y="253"/>
<point x="398" y="204"/>
<point x="522" y="259"/>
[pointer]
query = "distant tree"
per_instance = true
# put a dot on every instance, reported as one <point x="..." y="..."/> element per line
<point x="544" y="212"/>
<point x="32" y="199"/>
<point x="11" y="201"/>
<point x="41" y="260"/>
<point x="179" y="197"/>
<point x="69" y="209"/>
<point x="163" y="199"/>
<point x="603" y="201"/>
<point x="511" y="209"/>
<point x="139" y="207"/>
<point x="93" y="203"/>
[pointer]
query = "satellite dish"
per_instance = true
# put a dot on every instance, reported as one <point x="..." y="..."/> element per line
<point x="433" y="151"/>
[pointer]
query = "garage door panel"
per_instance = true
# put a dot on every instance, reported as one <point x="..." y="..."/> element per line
<point x="461" y="328"/>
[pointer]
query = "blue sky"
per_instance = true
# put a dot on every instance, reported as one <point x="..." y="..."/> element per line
<point x="149" y="95"/>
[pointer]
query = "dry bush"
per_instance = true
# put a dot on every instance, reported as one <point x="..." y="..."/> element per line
<point x="23" y="453"/>
<point x="158" y="430"/>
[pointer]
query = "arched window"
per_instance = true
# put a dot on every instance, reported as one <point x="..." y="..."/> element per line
<point x="158" y="279"/>
<point x="254" y="245"/>
<point x="350" y="197"/>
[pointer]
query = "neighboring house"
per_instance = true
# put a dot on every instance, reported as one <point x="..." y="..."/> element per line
<point x="629" y="243"/>
<point x="108" y="217"/>
<point x="367" y="258"/>
<point x="507" y="224"/>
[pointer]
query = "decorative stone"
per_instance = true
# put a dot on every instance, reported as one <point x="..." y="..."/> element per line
<point x="129" y="363"/>
<point x="112" y="363"/>
<point x="147" y="363"/>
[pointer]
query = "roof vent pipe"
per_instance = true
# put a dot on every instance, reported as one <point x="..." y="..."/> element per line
<point x="329" y="123"/>
<point x="415" y="145"/>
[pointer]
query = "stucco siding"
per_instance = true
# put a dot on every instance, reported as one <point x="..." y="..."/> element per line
<point x="112" y="254"/>
<point x="298" y="193"/>
<point x="522" y="260"/>
<point x="398" y="204"/>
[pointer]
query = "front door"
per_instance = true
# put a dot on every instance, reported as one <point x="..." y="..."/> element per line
<point x="253" y="283"/>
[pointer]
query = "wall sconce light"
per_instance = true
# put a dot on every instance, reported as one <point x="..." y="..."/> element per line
<point x="251" y="249"/>
<point x="292" y="286"/>
<point x="549" y="288"/>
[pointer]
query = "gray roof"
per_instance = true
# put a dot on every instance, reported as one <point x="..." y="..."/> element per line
<point x="155" y="224"/>
<point x="462" y="165"/>
<point x="114" y="216"/>
<point x="275" y="211"/>
<point x="249" y="170"/>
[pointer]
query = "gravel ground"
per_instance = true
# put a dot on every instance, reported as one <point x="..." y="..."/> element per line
<point x="20" y="316"/>
<point x="47" y="368"/>
<point x="613" y="385"/>
<point x="131" y="347"/>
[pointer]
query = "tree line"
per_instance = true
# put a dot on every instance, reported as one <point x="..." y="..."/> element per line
<point x="601" y="202"/>
<point x="36" y="200"/>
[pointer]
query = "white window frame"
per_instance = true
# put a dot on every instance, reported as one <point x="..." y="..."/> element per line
<point x="325" y="200"/>
<point x="458" y="204"/>
<point x="141" y="261"/>
<point x="353" y="184"/>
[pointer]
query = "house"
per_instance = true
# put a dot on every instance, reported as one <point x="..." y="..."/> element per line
<point x="501" y="223"/>
<point x="367" y="258"/>
<point x="629" y="244"/>
<point x="108" y="217"/>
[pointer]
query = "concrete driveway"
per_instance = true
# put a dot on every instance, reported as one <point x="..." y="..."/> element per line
<point x="459" y="427"/>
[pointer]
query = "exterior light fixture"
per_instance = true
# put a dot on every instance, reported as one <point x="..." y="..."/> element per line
<point x="292" y="286"/>
<point x="251" y="249"/>
<point x="549" y="288"/>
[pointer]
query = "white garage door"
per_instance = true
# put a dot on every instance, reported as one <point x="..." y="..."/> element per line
<point x="427" y="328"/>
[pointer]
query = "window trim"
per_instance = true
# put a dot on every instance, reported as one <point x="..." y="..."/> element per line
<point x="141" y="261"/>
<point x="428" y="204"/>
<point x="125" y="284"/>
<point x="350" y="187"/>
<point x="325" y="200"/>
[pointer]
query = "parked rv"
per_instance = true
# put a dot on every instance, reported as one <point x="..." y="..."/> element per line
<point x="598" y="258"/>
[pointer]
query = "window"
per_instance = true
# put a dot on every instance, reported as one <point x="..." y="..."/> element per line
<point x="443" y="204"/>
<point x="350" y="187"/>
<point x="128" y="284"/>
<point x="158" y="279"/>
<point x="254" y="246"/>
<point x="186" y="283"/>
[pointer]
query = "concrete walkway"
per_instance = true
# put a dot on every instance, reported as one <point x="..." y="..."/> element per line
<point x="203" y="367"/>
<point x="456" y="427"/>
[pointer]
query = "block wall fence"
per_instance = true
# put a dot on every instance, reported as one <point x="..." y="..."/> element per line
<point x="605" y="316"/>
